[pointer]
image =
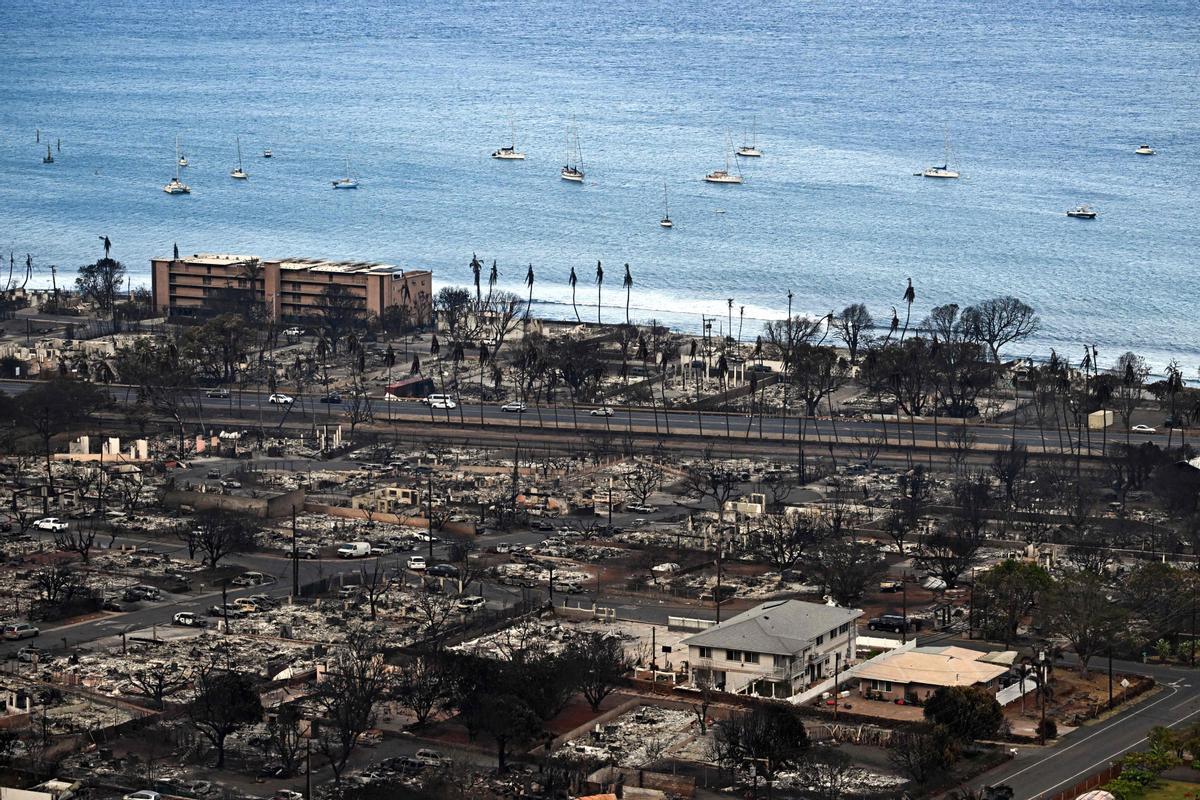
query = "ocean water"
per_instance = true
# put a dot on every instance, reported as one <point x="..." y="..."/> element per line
<point x="1043" y="105"/>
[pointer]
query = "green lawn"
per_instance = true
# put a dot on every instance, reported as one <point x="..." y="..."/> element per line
<point x="1174" y="790"/>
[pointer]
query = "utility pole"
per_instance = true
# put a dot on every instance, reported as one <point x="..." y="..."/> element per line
<point x="295" y="558"/>
<point x="904" y="595"/>
<point x="1042" y="696"/>
<point x="429" y="511"/>
<point x="837" y="668"/>
<point x="1110" y="691"/>
<point x="308" y="769"/>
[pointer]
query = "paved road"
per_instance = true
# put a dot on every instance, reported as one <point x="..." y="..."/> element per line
<point x="903" y="432"/>
<point x="1040" y="773"/>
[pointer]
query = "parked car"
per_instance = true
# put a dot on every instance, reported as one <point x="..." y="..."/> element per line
<point x="279" y="398"/>
<point x="249" y="579"/>
<point x="891" y="586"/>
<point x="516" y="407"/>
<point x="432" y="758"/>
<point x="896" y="623"/>
<point x="189" y="619"/>
<point x="470" y="603"/>
<point x="30" y="654"/>
<point x="51" y="524"/>
<point x="332" y="398"/>
<point x="232" y="611"/>
<point x="448" y="404"/>
<point x="441" y="570"/>
<point x="307" y="551"/>
<point x="143" y="794"/>
<point x="602" y="411"/>
<point x="213" y="474"/>
<point x="354" y="550"/>
<point x="293" y="332"/>
<point x="416" y="562"/>
<point x="20" y="630"/>
<point x="287" y="794"/>
<point x="220" y="393"/>
<point x="228" y="483"/>
<point x="1143" y="429"/>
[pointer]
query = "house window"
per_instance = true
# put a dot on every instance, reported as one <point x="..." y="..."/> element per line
<point x="844" y="628"/>
<point x="881" y="686"/>
<point x="833" y="634"/>
<point x="733" y="655"/>
<point x="705" y="652"/>
<point x="750" y="658"/>
<point x="820" y="639"/>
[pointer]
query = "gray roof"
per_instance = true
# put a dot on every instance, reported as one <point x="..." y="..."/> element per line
<point x="784" y="627"/>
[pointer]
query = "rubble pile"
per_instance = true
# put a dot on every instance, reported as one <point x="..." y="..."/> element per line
<point x="635" y="739"/>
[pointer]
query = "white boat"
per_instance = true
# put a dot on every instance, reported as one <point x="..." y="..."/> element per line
<point x="573" y="172"/>
<point x="724" y="175"/>
<point x="1082" y="212"/>
<point x="183" y="162"/>
<point x="238" y="172"/>
<point x="267" y="153"/>
<point x="944" y="170"/>
<point x="751" y="150"/>
<point x="510" y="153"/>
<point x="176" y="186"/>
<point x="348" y="182"/>
<point x="1145" y="150"/>
<point x="666" y="219"/>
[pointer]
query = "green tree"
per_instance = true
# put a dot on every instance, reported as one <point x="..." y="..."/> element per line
<point x="845" y="569"/>
<point x="600" y="662"/>
<point x="1006" y="593"/>
<point x="1077" y="606"/>
<point x="100" y="282"/>
<point x="967" y="712"/>
<point x="770" y="738"/>
<point x="55" y="407"/>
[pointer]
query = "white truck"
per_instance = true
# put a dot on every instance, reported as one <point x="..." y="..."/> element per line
<point x="354" y="550"/>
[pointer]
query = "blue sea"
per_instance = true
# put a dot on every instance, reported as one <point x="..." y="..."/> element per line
<point x="1042" y="104"/>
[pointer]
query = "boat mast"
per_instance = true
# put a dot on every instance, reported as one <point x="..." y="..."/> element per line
<point x="666" y="209"/>
<point x="177" y="156"/>
<point x="238" y="139"/>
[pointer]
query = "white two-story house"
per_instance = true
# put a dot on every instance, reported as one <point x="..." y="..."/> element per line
<point x="773" y="650"/>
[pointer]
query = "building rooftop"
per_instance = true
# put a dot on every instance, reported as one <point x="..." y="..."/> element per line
<point x="785" y="627"/>
<point x="931" y="666"/>
<point x="302" y="264"/>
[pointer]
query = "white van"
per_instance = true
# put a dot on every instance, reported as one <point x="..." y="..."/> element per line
<point x="441" y="401"/>
<point x="354" y="550"/>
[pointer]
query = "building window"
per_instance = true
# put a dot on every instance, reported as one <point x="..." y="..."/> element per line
<point x="819" y="640"/>
<point x="733" y="655"/>
<point x="833" y="634"/>
<point x="750" y="658"/>
<point x="705" y="652"/>
<point x="881" y="686"/>
<point x="208" y="281"/>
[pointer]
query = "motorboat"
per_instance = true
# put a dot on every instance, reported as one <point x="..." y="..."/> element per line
<point x="1082" y="212"/>
<point x="1145" y="150"/>
<point x="267" y="153"/>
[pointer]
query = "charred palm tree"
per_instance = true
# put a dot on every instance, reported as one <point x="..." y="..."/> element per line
<point x="599" y="288"/>
<point x="476" y="267"/>
<point x="627" y="285"/>
<point x="910" y="295"/>
<point x="493" y="277"/>
<point x="729" y="330"/>
<point x="529" y="302"/>
<point x="572" y="281"/>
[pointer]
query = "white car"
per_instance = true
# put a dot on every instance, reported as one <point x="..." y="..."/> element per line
<point x="279" y="398"/>
<point x="416" y="562"/>
<point x="447" y="403"/>
<point x="50" y="524"/>
<point x="602" y="411"/>
<point x="1143" y="429"/>
<point x="470" y="603"/>
<point x="388" y="397"/>
<point x="516" y="407"/>
<point x="294" y="332"/>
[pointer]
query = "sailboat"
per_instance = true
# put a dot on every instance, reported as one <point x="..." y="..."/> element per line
<point x="751" y="150"/>
<point x="48" y="158"/>
<point x="237" y="171"/>
<point x="182" y="160"/>
<point x="573" y="172"/>
<point x="943" y="171"/>
<point x="510" y="153"/>
<point x="347" y="182"/>
<point x="267" y="153"/>
<point x="724" y="175"/>
<point x="176" y="186"/>
<point x="666" y="219"/>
